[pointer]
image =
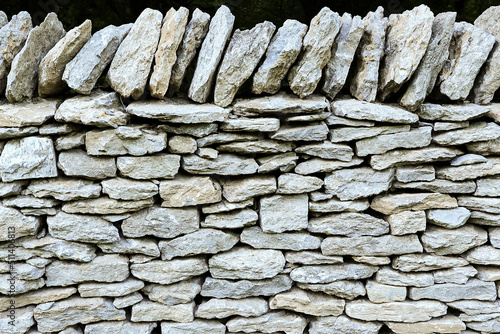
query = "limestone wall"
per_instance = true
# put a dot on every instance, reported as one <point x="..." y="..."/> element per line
<point x="308" y="206"/>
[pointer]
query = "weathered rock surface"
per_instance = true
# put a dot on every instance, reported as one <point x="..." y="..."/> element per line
<point x="119" y="327"/>
<point x="148" y="311"/>
<point x="332" y="273"/>
<point x="342" y="324"/>
<point x="296" y="241"/>
<point x="351" y="224"/>
<point x="277" y="321"/>
<point x="281" y="53"/>
<point x="210" y="54"/>
<point x="488" y="147"/>
<point x="23" y="76"/>
<point x="52" y="65"/>
<point x="426" y="262"/>
<point x="451" y="112"/>
<point x="484" y="255"/>
<point x="449" y="218"/>
<point x="264" y="146"/>
<point x="284" y="162"/>
<point x="82" y="228"/>
<point x="349" y="133"/>
<point x="78" y="163"/>
<point x="15" y="225"/>
<point x="106" y="206"/>
<point x="307" y="302"/>
<point x="172" y="30"/>
<point x="224" y="164"/>
<point x="129" y="190"/>
<point x="304" y="76"/>
<point x="387" y="275"/>
<point x="372" y="246"/>
<point x="110" y="289"/>
<point x="168" y="272"/>
<point x="468" y="159"/>
<point x="317" y="165"/>
<point x="474" y="289"/>
<point x="144" y="246"/>
<point x="280" y="213"/>
<point x="419" y="137"/>
<point x="290" y="183"/>
<point x="223" y="308"/>
<point x="351" y="184"/>
<point x="344" y="288"/>
<point x="479" y="131"/>
<point x="158" y="166"/>
<point x="335" y="205"/>
<point x="189" y="190"/>
<point x="442" y="241"/>
<point x="233" y="219"/>
<point x="130" y="67"/>
<point x="361" y="110"/>
<point x="177" y="293"/>
<point x="241" y="57"/>
<point x="182" y="145"/>
<point x="407" y="222"/>
<point x="446" y="324"/>
<point x="383" y="293"/>
<point x="195" y="327"/>
<point x="221" y="288"/>
<point x="391" y="204"/>
<point x="251" y="124"/>
<point x="327" y="150"/>
<point x="467" y="172"/>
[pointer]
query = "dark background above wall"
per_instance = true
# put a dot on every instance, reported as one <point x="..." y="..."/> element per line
<point x="247" y="12"/>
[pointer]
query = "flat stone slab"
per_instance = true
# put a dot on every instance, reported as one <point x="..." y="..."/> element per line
<point x="361" y="110"/>
<point x="371" y="246"/>
<point x="451" y="112"/>
<point x="24" y="114"/>
<point x="395" y="203"/>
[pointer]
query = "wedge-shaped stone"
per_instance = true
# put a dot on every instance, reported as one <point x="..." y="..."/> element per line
<point x="383" y="293"/>
<point x="277" y="321"/>
<point x="15" y="225"/>
<point x="172" y="30"/>
<point x="335" y="205"/>
<point x="148" y="311"/>
<point x="106" y="206"/>
<point x="49" y="246"/>
<point x="263" y="146"/>
<point x="56" y="316"/>
<point x="424" y="78"/>
<point x="446" y="126"/>
<point x="406" y="42"/>
<point x="221" y="288"/>
<point x="332" y="273"/>
<point x="168" y="272"/>
<point x="147" y="247"/>
<point x="120" y="327"/>
<point x="419" y="137"/>
<point x="70" y="141"/>
<point x="296" y="241"/>
<point x="223" y="308"/>
<point x="390" y="204"/>
<point x="101" y="109"/>
<point x="317" y="165"/>
<point x="126" y="189"/>
<point x="343" y="289"/>
<point x="473" y="289"/>
<point x="282" y="52"/>
<point x="351" y="224"/>
<point x="159" y="166"/>
<point x="314" y="131"/>
<point x="189" y="191"/>
<point x="283" y="162"/>
<point x="52" y="66"/>
<point x="210" y="54"/>
<point x="280" y="104"/>
<point x="311" y="257"/>
<point x="460" y="173"/>
<point x="342" y="324"/>
<point x="125" y="140"/>
<point x="104" y="268"/>
<point x="26" y="201"/>
<point x="350" y="184"/>
<point x="488" y="80"/>
<point x="451" y="218"/>
<point x="304" y="76"/>
<point x="327" y="150"/>
<point x="407" y="311"/>
<point x="178" y="293"/>
<point x="12" y="38"/>
<point x="203" y="241"/>
<point x="82" y="228"/>
<point x="389" y="276"/>
<point x="12" y="132"/>
<point x="247" y="263"/>
<point x="37" y="297"/>
<point x="110" y="289"/>
<point x="226" y="137"/>
<point x="485" y="204"/>
<point x="451" y="112"/>
<point x="23" y="75"/>
<point x="280" y="213"/>
<point x="251" y="124"/>
<point x="469" y="50"/>
<point x="446" y="324"/>
<point x="426" y="262"/>
<point x="407" y="222"/>
<point x="479" y="131"/>
<point x="224" y="164"/>
<point x="161" y="222"/>
<point x="343" y="51"/>
<point x="306" y="302"/>
<point x="484" y="255"/>
<point x="78" y="163"/>
<point x="83" y="71"/>
<point x="197" y="326"/>
<point x="64" y="189"/>
<point x="28" y="158"/>
<point x="442" y="241"/>
<point x="233" y="219"/>
<point x="225" y="206"/>
<point x="361" y="110"/>
<point x="440" y="186"/>
<point x="22" y="114"/>
<point x="371" y="50"/>
<point x="130" y="67"/>
<point x="195" y="32"/>
<point x="371" y="246"/>
<point x="348" y="133"/>
<point x="290" y="183"/>
<point x="241" y="57"/>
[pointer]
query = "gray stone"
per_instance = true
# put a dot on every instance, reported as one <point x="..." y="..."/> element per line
<point x="284" y="162"/>
<point x="22" y="323"/>
<point x="221" y="288"/>
<point x="389" y="276"/>
<point x="195" y="130"/>
<point x="83" y="71"/>
<point x="373" y="246"/>
<point x="120" y="327"/>
<point x="317" y="165"/>
<point x="483" y="218"/>
<point x="230" y="220"/>
<point x="28" y="158"/>
<point x="488" y="274"/>
<point x="64" y="189"/>
<point x="332" y="273"/>
<point x="71" y="141"/>
<point x="488" y="187"/>
<point x="246" y="263"/>
<point x="290" y="183"/>
<point x="343" y="51"/>
<point x="130" y="67"/>
<point x="126" y="287"/>
<point x="78" y="163"/>
<point x="442" y="241"/>
<point x="349" y="224"/>
<point x="488" y="147"/>
<point x="310" y="257"/>
<point x="419" y="137"/>
<point x="407" y="222"/>
<point x="158" y="166"/>
<point x="445" y="324"/>
<point x="458" y="275"/>
<point x="451" y="112"/>
<point x="312" y="303"/>
<point x="485" y="204"/>
<point x="281" y="53"/>
<point x="383" y="293"/>
<point x="22" y="114"/>
<point x="172" y="31"/>
<point x="223" y="308"/>
<point x="178" y="293"/>
<point x="207" y="152"/>
<point x="327" y="150"/>
<point x="82" y="228"/>
<point x="26" y="201"/>
<point x="335" y="205"/>
<point x="280" y="213"/>
<point x="148" y="311"/>
<point x="189" y="190"/>
<point x="224" y="164"/>
<point x="250" y="124"/>
<point x="52" y="65"/>
<point x="130" y="190"/>
<point x="210" y="54"/>
<point x="296" y="241"/>
<point x="448" y="218"/>
<point x="15" y="225"/>
<point x="37" y="297"/>
<point x="479" y="131"/>
<point x="241" y="57"/>
<point x="12" y="188"/>
<point x="390" y="204"/>
<point x="351" y="184"/>
<point x="343" y="289"/>
<point x="473" y="289"/>
<point x="21" y="285"/>
<point x="417" y="156"/>
<point x="168" y="272"/>
<point x="446" y="126"/>
<point x="361" y="110"/>
<point x="161" y="222"/>
<point x="263" y="146"/>
<point x="440" y="186"/>
<point x="314" y="131"/>
<point x="484" y="255"/>
<point x="182" y="145"/>
<point x="197" y="326"/>
<point x="105" y="206"/>
<point x="12" y="132"/>
<point x="277" y="321"/>
<point x="468" y="159"/>
<point x="349" y="133"/>
<point x="132" y="246"/>
<point x="342" y="324"/>
<point x="426" y="262"/>
<point x="49" y="246"/>
<point x="225" y="206"/>
<point x="23" y="75"/>
<point x="226" y="137"/>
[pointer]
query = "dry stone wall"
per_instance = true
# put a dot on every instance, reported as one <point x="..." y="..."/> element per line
<point x="134" y="205"/>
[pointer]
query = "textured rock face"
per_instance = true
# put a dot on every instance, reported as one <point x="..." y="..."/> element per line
<point x="131" y="64"/>
<point x="172" y="30"/>
<point x="360" y="110"/>
<point x="52" y="66"/>
<point x="187" y="191"/>
<point x="83" y="71"/>
<point x="22" y="78"/>
<point x="168" y="272"/>
<point x="78" y="163"/>
<point x="210" y="54"/>
<point x="282" y="52"/>
<point x="304" y="76"/>
<point x="271" y="322"/>
<point x="82" y="228"/>
<point x="242" y="56"/>
<point x="13" y="220"/>
<point x="23" y="114"/>
<point x="371" y="49"/>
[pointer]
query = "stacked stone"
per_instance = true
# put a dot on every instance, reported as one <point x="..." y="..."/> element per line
<point x="275" y="214"/>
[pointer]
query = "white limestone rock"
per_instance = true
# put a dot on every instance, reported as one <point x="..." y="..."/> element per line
<point x="15" y="225"/>
<point x="49" y="246"/>
<point x="451" y="112"/>
<point x="23" y="75"/>
<point x="342" y="324"/>
<point x="157" y="166"/>
<point x="395" y="203"/>
<point x="361" y="110"/>
<point x="226" y="137"/>
<point x="22" y="114"/>
<point x="458" y="275"/>
<point x="224" y="164"/>
<point x="311" y="257"/>
<point x="264" y="146"/>
<point x="485" y="204"/>
<point x="250" y="124"/>
<point x="144" y="246"/>
<point x="427" y="262"/>
<point x="280" y="213"/>
<point x="473" y="289"/>
<point x="372" y="246"/>
<point x="440" y="186"/>
<point x="303" y="301"/>
<point x="346" y="289"/>
<point x="449" y="218"/>
<point x="106" y="206"/>
<point x="445" y="324"/>
<point x="222" y="288"/>
<point x="64" y="188"/>
<point x="383" y="293"/>
<point x="484" y="255"/>
<point x="468" y="159"/>
<point x="314" y="131"/>
<point x="327" y="150"/>
<point x="129" y="190"/>
<point x="182" y="145"/>
<point x="77" y="163"/>
<point x="416" y="138"/>
<point x="349" y="133"/>
<point x="148" y="311"/>
<point x="37" y="297"/>
<point x="331" y="273"/>
<point x="12" y="132"/>
<point x="71" y="141"/>
<point x="189" y="190"/>
<point x="28" y="158"/>
<point x="130" y="67"/>
<point x="168" y="272"/>
<point x="210" y="54"/>
<point x="232" y="219"/>
<point x="290" y="183"/>
<point x="489" y="187"/>
<point x="12" y="188"/>
<point x="389" y="276"/>
<point x="442" y="241"/>
<point x="120" y="327"/>
<point x="126" y="287"/>
<point x="335" y="205"/>
<point x="276" y="321"/>
<point x="479" y="131"/>
<point x="407" y="222"/>
<point x="355" y="183"/>
<point x="351" y="224"/>
<point x="197" y="326"/>
<point x="317" y="165"/>
<point x="177" y="293"/>
<point x="241" y="57"/>
<point x="223" y="308"/>
<point x="284" y="162"/>
<point x="225" y="206"/>
<point x="296" y="241"/>
<point x="91" y="229"/>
